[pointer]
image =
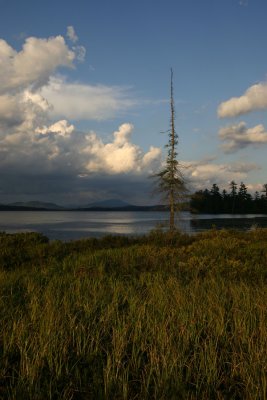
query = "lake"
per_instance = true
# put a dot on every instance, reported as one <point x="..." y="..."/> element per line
<point x="71" y="225"/>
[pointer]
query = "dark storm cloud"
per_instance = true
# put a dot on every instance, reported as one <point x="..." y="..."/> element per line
<point x="70" y="189"/>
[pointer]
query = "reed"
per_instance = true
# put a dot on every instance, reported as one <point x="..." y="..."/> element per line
<point x="156" y="317"/>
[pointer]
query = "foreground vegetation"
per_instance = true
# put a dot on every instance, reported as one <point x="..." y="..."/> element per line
<point x="117" y="318"/>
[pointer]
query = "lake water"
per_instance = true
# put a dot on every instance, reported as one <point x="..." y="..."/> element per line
<point x="71" y="225"/>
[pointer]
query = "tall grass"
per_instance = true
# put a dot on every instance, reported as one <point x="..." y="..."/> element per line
<point x="119" y="318"/>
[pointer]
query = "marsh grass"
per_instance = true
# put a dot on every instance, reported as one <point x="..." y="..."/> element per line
<point x="157" y="317"/>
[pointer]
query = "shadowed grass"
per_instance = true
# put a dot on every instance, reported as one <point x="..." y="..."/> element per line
<point x="157" y="317"/>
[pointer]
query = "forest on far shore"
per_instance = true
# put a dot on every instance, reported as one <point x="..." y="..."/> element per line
<point x="236" y="200"/>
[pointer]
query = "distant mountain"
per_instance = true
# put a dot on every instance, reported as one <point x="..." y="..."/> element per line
<point x="37" y="204"/>
<point x="8" y="207"/>
<point x="104" y="205"/>
<point x="110" y="203"/>
<point x="119" y="205"/>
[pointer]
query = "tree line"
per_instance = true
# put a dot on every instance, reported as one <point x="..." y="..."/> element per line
<point x="235" y="200"/>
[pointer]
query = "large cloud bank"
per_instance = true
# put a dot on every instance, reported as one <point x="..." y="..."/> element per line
<point x="44" y="156"/>
<point x="41" y="151"/>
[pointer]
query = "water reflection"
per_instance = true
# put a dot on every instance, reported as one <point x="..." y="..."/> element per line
<point x="70" y="225"/>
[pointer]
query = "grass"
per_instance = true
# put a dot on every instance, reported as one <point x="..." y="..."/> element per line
<point x="157" y="317"/>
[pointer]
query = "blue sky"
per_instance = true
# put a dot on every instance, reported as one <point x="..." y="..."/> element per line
<point x="84" y="96"/>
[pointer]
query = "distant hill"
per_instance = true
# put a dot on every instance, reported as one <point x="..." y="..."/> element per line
<point x="104" y="205"/>
<point x="119" y="205"/>
<point x="37" y="204"/>
<point x="110" y="203"/>
<point x="7" y="207"/>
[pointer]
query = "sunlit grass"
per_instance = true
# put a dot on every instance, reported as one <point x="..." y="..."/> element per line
<point x="152" y="318"/>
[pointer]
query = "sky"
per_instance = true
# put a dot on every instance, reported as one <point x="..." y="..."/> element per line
<point x="85" y="90"/>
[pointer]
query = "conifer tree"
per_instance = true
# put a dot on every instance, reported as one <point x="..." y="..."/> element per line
<point x="170" y="181"/>
<point x="265" y="189"/>
<point x="233" y="194"/>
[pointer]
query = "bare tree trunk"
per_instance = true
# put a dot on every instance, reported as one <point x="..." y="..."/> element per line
<point x="172" y="159"/>
<point x="170" y="179"/>
<point x="172" y="211"/>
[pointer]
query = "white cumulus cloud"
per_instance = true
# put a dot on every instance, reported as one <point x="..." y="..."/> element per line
<point x="121" y="155"/>
<point x="61" y="127"/>
<point x="34" y="64"/>
<point x="203" y="174"/>
<point x="255" y="98"/>
<point x="238" y="136"/>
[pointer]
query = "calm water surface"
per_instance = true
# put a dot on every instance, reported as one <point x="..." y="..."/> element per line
<point x="70" y="225"/>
